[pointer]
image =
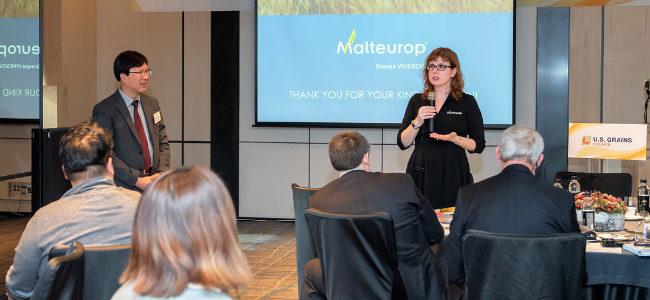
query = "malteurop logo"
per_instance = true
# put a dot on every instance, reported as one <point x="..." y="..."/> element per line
<point x="586" y="140"/>
<point x="370" y="47"/>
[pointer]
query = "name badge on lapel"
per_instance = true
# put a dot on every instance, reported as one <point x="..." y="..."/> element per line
<point x="156" y="117"/>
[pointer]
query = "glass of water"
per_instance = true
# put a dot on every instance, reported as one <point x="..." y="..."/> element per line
<point x="631" y="204"/>
<point x="642" y="232"/>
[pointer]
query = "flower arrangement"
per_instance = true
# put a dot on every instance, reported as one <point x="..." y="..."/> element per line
<point x="602" y="202"/>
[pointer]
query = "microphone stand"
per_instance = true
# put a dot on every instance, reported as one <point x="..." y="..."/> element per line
<point x="645" y="111"/>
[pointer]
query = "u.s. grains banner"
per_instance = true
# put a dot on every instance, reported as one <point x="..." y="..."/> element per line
<point x="608" y="141"/>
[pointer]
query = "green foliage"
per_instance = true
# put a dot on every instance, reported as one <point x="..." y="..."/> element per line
<point x="616" y="211"/>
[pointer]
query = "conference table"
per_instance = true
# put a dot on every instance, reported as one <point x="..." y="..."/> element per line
<point x="613" y="273"/>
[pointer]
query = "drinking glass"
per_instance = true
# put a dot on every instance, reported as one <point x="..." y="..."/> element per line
<point x="630" y="202"/>
<point x="642" y="232"/>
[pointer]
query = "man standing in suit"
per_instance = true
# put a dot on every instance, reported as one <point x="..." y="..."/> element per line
<point x="358" y="191"/>
<point x="134" y="120"/>
<point x="512" y="202"/>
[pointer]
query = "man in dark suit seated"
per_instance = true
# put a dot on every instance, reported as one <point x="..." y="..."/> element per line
<point x="512" y="202"/>
<point x="358" y="191"/>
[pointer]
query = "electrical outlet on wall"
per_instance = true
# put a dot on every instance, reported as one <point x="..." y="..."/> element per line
<point x="20" y="190"/>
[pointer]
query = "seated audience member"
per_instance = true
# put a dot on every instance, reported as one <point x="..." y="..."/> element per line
<point x="94" y="211"/>
<point x="185" y="240"/>
<point x="359" y="191"/>
<point x="512" y="202"/>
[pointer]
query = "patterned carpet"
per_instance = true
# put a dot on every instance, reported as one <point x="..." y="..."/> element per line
<point x="270" y="247"/>
<point x="11" y="228"/>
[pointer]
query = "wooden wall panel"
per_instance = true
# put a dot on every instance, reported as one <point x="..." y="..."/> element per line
<point x="584" y="64"/>
<point x="78" y="61"/>
<point x="52" y="42"/>
<point x="157" y="35"/>
<point x="626" y="64"/>
<point x="585" y="73"/>
<point x="197" y="76"/>
<point x="15" y="148"/>
<point x="526" y="66"/>
<point x="52" y="60"/>
<point x="175" y="160"/>
<point x="266" y="172"/>
<point x="197" y="154"/>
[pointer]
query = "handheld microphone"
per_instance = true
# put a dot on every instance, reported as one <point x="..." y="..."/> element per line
<point x="432" y="102"/>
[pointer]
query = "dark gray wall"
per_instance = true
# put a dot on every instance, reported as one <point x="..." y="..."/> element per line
<point x="553" y="88"/>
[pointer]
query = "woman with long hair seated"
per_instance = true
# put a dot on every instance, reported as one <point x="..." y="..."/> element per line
<point x="185" y="243"/>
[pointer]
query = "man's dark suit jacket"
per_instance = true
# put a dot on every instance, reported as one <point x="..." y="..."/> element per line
<point x="513" y="202"/>
<point x="128" y="160"/>
<point x="416" y="224"/>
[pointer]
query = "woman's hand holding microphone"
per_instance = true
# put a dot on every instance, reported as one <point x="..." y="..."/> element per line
<point x="425" y="112"/>
<point x="428" y="112"/>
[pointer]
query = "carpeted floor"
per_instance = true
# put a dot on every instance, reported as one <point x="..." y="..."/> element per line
<point x="270" y="247"/>
<point x="11" y="228"/>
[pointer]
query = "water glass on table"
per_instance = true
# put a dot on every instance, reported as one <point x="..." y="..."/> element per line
<point x="630" y="202"/>
<point x="642" y="232"/>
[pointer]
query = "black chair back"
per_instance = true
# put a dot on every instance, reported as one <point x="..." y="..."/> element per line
<point x="63" y="277"/>
<point x="104" y="266"/>
<point x="615" y="184"/>
<point x="304" y="251"/>
<point x="500" y="266"/>
<point x="357" y="254"/>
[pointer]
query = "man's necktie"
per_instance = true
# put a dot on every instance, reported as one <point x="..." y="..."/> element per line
<point x="144" y="142"/>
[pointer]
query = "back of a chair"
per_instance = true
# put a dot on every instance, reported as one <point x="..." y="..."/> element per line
<point x="104" y="266"/>
<point x="501" y="266"/>
<point x="357" y="253"/>
<point x="63" y="277"/>
<point x="615" y="184"/>
<point x="304" y="251"/>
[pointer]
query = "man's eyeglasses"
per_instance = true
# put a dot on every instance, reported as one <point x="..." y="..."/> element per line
<point x="439" y="67"/>
<point x="142" y="72"/>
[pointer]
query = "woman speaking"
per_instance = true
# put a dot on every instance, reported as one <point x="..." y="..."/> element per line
<point x="439" y="164"/>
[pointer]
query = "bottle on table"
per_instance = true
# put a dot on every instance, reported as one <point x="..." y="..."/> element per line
<point x="557" y="183"/>
<point x="574" y="186"/>
<point x="588" y="214"/>
<point x="642" y="198"/>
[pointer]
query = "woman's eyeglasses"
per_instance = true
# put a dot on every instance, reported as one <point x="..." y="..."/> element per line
<point x="440" y="67"/>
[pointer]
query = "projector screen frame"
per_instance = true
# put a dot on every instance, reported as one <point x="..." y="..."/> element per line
<point x="38" y="121"/>
<point x="377" y="125"/>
